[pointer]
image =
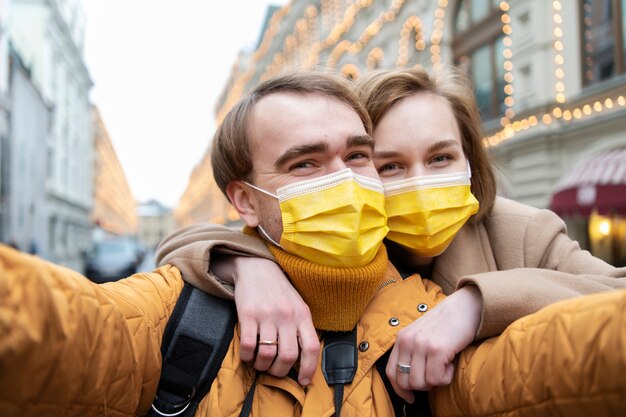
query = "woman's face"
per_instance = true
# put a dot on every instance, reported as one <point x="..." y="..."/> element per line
<point x="418" y="136"/>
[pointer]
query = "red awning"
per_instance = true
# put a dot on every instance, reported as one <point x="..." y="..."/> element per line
<point x="597" y="182"/>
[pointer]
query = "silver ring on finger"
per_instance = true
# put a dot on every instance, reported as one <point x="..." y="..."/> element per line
<point x="404" y="369"/>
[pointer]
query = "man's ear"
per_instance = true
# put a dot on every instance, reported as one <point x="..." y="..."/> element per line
<point x="242" y="199"/>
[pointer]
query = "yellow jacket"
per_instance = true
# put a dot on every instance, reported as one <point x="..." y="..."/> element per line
<point x="69" y="347"/>
<point x="393" y="307"/>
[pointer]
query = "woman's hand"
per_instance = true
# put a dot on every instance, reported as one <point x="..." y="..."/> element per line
<point x="430" y="344"/>
<point x="270" y="309"/>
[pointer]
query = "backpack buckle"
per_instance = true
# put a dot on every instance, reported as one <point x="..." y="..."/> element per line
<point x="176" y="409"/>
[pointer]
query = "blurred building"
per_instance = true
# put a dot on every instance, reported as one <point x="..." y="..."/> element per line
<point x="202" y="200"/>
<point x="550" y="77"/>
<point x="48" y="36"/>
<point x="155" y="222"/>
<point x="23" y="182"/>
<point x="114" y="208"/>
<point x="4" y="96"/>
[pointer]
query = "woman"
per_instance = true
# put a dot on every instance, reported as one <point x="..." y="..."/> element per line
<point x="445" y="223"/>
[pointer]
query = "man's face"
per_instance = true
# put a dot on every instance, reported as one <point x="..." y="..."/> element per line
<point x="294" y="137"/>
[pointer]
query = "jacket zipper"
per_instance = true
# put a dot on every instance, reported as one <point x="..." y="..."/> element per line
<point x="385" y="283"/>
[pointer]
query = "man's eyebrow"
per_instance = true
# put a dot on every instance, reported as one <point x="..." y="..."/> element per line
<point x="297" y="151"/>
<point x="360" y="140"/>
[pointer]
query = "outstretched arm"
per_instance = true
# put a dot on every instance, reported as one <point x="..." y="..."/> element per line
<point x="68" y="345"/>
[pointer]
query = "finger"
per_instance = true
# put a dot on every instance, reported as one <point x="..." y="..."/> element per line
<point x="266" y="353"/>
<point x="247" y="345"/>
<point x="435" y="371"/>
<point x="417" y="377"/>
<point x="392" y="375"/>
<point x="287" y="352"/>
<point x="406" y="357"/>
<point x="311" y="346"/>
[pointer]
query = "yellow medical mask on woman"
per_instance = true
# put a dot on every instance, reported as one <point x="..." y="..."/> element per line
<point x="335" y="220"/>
<point x="425" y="213"/>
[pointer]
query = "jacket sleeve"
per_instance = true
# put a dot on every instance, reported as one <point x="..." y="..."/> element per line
<point x="567" y="359"/>
<point x="537" y="265"/>
<point x="75" y="348"/>
<point x="189" y="249"/>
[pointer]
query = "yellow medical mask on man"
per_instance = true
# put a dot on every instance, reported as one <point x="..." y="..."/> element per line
<point x="425" y="213"/>
<point x="335" y="220"/>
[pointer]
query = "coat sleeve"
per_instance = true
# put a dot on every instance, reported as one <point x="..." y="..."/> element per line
<point x="189" y="249"/>
<point x="537" y="264"/>
<point x="568" y="359"/>
<point x="75" y="348"/>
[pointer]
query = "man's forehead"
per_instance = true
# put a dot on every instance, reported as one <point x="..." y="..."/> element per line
<point x="297" y="118"/>
<point x="287" y="98"/>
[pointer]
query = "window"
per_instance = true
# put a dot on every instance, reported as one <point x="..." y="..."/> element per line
<point x="603" y="37"/>
<point x="477" y="47"/>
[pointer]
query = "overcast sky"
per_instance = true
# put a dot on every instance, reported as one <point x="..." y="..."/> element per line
<point x="158" y="67"/>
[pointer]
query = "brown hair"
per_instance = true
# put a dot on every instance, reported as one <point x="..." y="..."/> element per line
<point x="380" y="90"/>
<point x="230" y="153"/>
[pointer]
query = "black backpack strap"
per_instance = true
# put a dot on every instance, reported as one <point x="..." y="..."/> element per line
<point x="246" y="408"/>
<point x="339" y="362"/>
<point x="196" y="339"/>
<point x="421" y="406"/>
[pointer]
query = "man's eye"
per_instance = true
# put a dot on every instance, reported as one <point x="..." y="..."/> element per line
<point x="302" y="165"/>
<point x="357" y="155"/>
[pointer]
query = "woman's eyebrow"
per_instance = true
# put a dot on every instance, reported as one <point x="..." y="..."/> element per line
<point x="445" y="143"/>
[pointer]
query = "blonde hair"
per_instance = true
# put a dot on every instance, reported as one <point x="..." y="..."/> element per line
<point x="230" y="152"/>
<point x="380" y="90"/>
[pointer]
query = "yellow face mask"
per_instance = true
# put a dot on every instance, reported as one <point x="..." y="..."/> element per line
<point x="336" y="220"/>
<point x="425" y="213"/>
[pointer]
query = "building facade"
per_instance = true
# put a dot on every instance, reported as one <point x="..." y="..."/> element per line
<point x="23" y="181"/>
<point x="48" y="35"/>
<point x="549" y="77"/>
<point x="114" y="208"/>
<point x="4" y="99"/>
<point x="155" y="222"/>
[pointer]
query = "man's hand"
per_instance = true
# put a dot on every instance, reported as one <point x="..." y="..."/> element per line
<point x="270" y="309"/>
<point x="430" y="344"/>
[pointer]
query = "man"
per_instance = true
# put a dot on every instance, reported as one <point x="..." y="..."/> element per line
<point x="297" y="158"/>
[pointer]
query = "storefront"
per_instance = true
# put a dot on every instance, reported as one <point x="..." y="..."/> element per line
<point x="593" y="196"/>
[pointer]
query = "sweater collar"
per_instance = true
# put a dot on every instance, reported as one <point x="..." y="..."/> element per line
<point x="336" y="296"/>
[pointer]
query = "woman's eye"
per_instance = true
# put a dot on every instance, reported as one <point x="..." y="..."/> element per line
<point x="440" y="158"/>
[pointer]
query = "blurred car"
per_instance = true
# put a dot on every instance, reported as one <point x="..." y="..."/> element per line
<point x="112" y="259"/>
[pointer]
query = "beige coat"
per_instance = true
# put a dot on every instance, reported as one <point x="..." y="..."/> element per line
<point x="520" y="258"/>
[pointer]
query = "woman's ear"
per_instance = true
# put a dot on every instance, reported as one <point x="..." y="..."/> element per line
<point x="243" y="200"/>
